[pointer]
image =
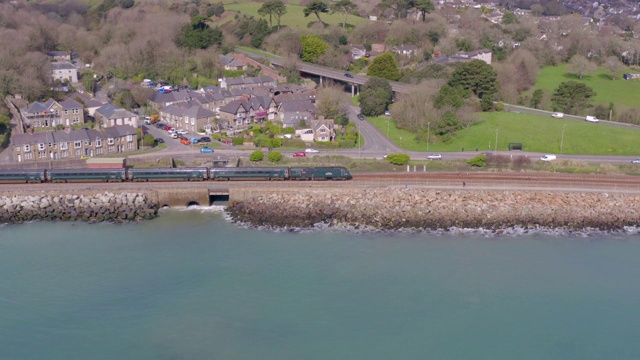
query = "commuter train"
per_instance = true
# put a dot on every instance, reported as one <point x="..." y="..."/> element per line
<point x="174" y="174"/>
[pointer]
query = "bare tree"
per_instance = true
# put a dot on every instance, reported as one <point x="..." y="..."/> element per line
<point x="331" y="102"/>
<point x="413" y="111"/>
<point x="614" y="66"/>
<point x="581" y="66"/>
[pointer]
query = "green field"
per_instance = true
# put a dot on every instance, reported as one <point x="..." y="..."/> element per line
<point x="623" y="93"/>
<point x="294" y="16"/>
<point x="536" y="133"/>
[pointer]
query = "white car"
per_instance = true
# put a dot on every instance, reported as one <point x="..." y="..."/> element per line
<point x="434" y="157"/>
<point x="592" y="119"/>
<point x="557" y="115"/>
<point x="310" y="150"/>
<point x="548" y="158"/>
<point x="182" y="132"/>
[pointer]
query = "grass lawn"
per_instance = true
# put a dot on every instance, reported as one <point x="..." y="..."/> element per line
<point x="536" y="133"/>
<point x="294" y="16"/>
<point x="623" y="93"/>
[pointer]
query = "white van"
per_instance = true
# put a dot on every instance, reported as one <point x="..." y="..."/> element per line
<point x="548" y="158"/>
<point x="557" y="115"/>
<point x="590" y="118"/>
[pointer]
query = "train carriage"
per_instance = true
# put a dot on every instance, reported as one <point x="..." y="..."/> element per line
<point x="168" y="174"/>
<point x="22" y="176"/>
<point x="250" y="173"/>
<point x="85" y="175"/>
<point x="331" y="173"/>
<point x="302" y="173"/>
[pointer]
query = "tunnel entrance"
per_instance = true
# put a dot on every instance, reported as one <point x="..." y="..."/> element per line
<point x="193" y="203"/>
<point x="219" y="199"/>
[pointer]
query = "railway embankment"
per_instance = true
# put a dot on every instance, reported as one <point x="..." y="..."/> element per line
<point x="399" y="207"/>
<point x="19" y="207"/>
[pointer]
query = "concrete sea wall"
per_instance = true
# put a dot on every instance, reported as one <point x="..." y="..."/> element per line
<point x="396" y="208"/>
<point x="86" y="206"/>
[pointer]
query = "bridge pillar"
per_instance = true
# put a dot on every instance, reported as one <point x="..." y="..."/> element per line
<point x="320" y="80"/>
<point x="353" y="90"/>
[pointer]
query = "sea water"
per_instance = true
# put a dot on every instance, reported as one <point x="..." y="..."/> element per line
<point x="193" y="285"/>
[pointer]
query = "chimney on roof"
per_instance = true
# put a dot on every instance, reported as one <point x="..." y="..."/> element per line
<point x="67" y="129"/>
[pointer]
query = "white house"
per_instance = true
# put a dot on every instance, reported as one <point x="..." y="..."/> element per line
<point x="64" y="71"/>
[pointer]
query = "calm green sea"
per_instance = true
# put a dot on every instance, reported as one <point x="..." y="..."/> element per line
<point x="191" y="285"/>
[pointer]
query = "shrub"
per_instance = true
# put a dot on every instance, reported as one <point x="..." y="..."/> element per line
<point x="274" y="156"/>
<point x="478" y="161"/>
<point x="238" y="141"/>
<point x="256" y="156"/>
<point x="347" y="143"/>
<point x="398" y="159"/>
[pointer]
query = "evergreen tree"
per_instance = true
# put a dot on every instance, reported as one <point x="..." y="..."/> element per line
<point x="384" y="66"/>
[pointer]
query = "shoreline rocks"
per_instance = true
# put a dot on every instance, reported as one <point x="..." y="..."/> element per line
<point x="98" y="207"/>
<point x="396" y="208"/>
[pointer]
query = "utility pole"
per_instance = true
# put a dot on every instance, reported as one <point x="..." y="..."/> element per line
<point x="496" y="144"/>
<point x="562" y="138"/>
<point x="428" y="133"/>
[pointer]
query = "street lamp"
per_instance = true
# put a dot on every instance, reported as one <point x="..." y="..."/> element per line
<point x="428" y="133"/>
<point x="387" y="128"/>
<point x="562" y="138"/>
<point x="496" y="144"/>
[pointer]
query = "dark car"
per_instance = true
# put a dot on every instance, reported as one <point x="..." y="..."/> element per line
<point x="205" y="139"/>
<point x="348" y="75"/>
<point x="145" y="130"/>
<point x="360" y="116"/>
<point x="160" y="140"/>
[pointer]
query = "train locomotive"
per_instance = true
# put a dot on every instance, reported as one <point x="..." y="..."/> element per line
<point x="174" y="174"/>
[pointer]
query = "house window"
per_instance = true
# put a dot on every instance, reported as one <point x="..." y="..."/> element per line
<point x="76" y="111"/>
<point x="65" y="153"/>
<point x="77" y="144"/>
<point x="16" y="148"/>
<point x="98" y="143"/>
<point x="76" y="120"/>
<point x="41" y="146"/>
<point x="78" y="152"/>
<point x="37" y="124"/>
<point x="63" y="146"/>
<point x="28" y="156"/>
<point x="66" y="112"/>
<point x="99" y="151"/>
<point x="130" y="145"/>
<point x="129" y="137"/>
<point x="110" y="141"/>
<point x="112" y="148"/>
<point x="27" y="147"/>
<point x="42" y="154"/>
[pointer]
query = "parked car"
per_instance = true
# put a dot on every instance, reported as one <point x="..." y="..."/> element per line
<point x="300" y="154"/>
<point x="348" y="75"/>
<point x="206" y="150"/>
<point x="194" y="140"/>
<point x="592" y="119"/>
<point x="145" y="130"/>
<point x="310" y="150"/>
<point x="168" y="128"/>
<point x="174" y="135"/>
<point x="205" y="139"/>
<point x="557" y="115"/>
<point x="387" y="112"/>
<point x="183" y="132"/>
<point x="434" y="157"/>
<point x="548" y="158"/>
<point x="160" y="140"/>
<point x="185" y="141"/>
<point x="635" y="161"/>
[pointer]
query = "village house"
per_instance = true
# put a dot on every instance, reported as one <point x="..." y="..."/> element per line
<point x="64" y="71"/>
<point x="293" y="113"/>
<point x="405" y="50"/>
<point x="73" y="144"/>
<point x="323" y="129"/>
<point x="235" y="113"/>
<point x="52" y="113"/>
<point x="159" y="100"/>
<point x="212" y="98"/>
<point x="90" y="104"/>
<point x="230" y="63"/>
<point x="109" y="115"/>
<point x="189" y="116"/>
<point x="247" y="82"/>
<point x="358" y="52"/>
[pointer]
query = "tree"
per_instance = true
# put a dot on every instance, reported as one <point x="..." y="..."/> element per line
<point x="331" y="102"/>
<point x="476" y="76"/>
<point x="384" y="66"/>
<point x="198" y="35"/>
<point x="581" y="66"/>
<point x="509" y="18"/>
<point x="279" y="9"/>
<point x="343" y="7"/>
<point x="267" y="9"/>
<point x="274" y="156"/>
<point x="479" y="161"/>
<point x="256" y="156"/>
<point x="375" y="96"/>
<point x="424" y="7"/>
<point x="316" y="7"/>
<point x="536" y="98"/>
<point x="399" y="7"/>
<point x="398" y="159"/>
<point x="571" y="96"/>
<point x="447" y="126"/>
<point x="312" y="48"/>
<point x="614" y="66"/>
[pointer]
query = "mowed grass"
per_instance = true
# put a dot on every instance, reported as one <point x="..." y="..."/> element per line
<point x="294" y="16"/>
<point x="622" y="93"/>
<point x="536" y="133"/>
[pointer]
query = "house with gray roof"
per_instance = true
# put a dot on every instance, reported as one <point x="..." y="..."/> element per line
<point x="160" y="100"/>
<point x="292" y="113"/>
<point x="230" y="63"/>
<point x="189" y="116"/>
<point x="73" y="144"/>
<point x="52" y="113"/>
<point x="247" y="82"/>
<point x="109" y="115"/>
<point x="64" y="71"/>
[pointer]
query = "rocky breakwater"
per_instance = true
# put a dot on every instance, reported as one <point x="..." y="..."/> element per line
<point x="101" y="206"/>
<point x="396" y="208"/>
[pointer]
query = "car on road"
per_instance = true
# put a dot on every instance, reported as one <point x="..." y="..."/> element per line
<point x="434" y="157"/>
<point x="205" y="139"/>
<point x="548" y="157"/>
<point x="592" y="119"/>
<point x="160" y="140"/>
<point x="300" y="154"/>
<point x="349" y="75"/>
<point x="185" y="141"/>
<point x="194" y="140"/>
<point x="168" y="128"/>
<point x="557" y="115"/>
<point x="174" y="135"/>
<point x="206" y="150"/>
<point x="360" y="116"/>
<point x="183" y="132"/>
<point x="310" y="150"/>
<point x="635" y="161"/>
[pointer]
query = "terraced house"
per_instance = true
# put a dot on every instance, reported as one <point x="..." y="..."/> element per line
<point x="68" y="144"/>
<point x="52" y="113"/>
<point x="190" y="117"/>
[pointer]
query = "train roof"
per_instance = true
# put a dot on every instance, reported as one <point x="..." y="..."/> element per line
<point x="83" y="170"/>
<point x="181" y="169"/>
<point x="255" y="168"/>
<point x="21" y="171"/>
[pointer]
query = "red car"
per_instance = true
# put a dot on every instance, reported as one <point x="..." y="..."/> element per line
<point x="300" y="154"/>
<point x="168" y="128"/>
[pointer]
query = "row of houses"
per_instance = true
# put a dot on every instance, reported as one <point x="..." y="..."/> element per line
<point x="73" y="144"/>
